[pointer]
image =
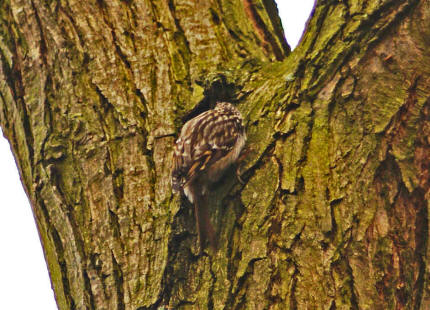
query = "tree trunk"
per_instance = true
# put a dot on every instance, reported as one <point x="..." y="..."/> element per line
<point x="334" y="210"/>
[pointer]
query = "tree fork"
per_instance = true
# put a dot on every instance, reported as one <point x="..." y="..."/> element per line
<point x="334" y="209"/>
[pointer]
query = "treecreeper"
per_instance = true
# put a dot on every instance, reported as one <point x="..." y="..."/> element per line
<point x="207" y="146"/>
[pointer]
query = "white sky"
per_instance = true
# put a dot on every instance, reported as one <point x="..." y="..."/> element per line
<point x="24" y="280"/>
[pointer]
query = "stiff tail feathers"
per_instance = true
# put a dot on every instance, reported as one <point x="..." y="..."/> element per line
<point x="204" y="226"/>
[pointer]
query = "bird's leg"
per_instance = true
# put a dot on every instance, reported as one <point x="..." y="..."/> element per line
<point x="245" y="152"/>
<point x="238" y="175"/>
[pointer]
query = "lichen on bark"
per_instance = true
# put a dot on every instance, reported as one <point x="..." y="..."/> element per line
<point x="333" y="213"/>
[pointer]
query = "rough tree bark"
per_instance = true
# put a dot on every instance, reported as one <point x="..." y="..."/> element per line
<point x="334" y="210"/>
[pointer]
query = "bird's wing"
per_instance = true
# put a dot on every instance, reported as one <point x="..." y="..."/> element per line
<point x="203" y="141"/>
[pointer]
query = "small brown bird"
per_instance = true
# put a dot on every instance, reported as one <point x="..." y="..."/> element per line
<point x="207" y="146"/>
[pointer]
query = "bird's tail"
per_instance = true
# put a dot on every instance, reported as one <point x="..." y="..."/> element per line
<point x="204" y="226"/>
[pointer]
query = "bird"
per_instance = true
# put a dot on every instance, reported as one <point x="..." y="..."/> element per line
<point x="207" y="146"/>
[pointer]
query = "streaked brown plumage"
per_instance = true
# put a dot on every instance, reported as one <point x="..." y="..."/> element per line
<point x="207" y="146"/>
